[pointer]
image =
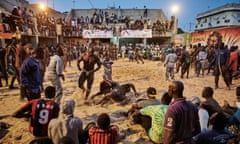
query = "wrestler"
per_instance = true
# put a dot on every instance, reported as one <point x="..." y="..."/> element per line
<point x="87" y="72"/>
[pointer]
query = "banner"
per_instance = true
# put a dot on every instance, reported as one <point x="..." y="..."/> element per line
<point x="181" y="39"/>
<point x="230" y="36"/>
<point x="97" y="34"/>
<point x="145" y="33"/>
<point x="59" y="29"/>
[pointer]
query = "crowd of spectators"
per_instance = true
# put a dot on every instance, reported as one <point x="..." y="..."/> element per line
<point x="28" y="22"/>
<point x="42" y="23"/>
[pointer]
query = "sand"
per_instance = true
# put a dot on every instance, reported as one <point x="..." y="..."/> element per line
<point x="151" y="73"/>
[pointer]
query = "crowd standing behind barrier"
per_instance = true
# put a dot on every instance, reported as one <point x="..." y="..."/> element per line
<point x="43" y="24"/>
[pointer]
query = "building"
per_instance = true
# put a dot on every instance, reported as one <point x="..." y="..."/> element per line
<point x="119" y="26"/>
<point x="114" y="25"/>
<point x="47" y="37"/>
<point x="224" y="20"/>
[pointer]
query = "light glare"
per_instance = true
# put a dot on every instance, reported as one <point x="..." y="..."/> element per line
<point x="175" y="9"/>
<point x="42" y="6"/>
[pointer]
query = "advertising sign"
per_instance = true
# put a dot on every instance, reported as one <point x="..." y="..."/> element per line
<point x="145" y="33"/>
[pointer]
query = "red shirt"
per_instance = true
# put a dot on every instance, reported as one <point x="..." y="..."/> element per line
<point x="233" y="61"/>
<point x="99" y="136"/>
<point x="105" y="86"/>
<point x="21" y="54"/>
<point x="42" y="111"/>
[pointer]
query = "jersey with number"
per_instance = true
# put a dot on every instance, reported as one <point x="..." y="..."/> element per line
<point x="42" y="111"/>
<point x="182" y="119"/>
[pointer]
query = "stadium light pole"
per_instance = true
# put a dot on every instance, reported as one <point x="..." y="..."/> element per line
<point x="174" y="11"/>
<point x="42" y="7"/>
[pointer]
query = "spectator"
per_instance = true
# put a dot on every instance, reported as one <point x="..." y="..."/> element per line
<point x="202" y="113"/>
<point x="201" y="61"/>
<point x="151" y="100"/>
<point x="67" y="57"/>
<point x="186" y="61"/>
<point x="24" y="17"/>
<point x="235" y="118"/>
<point x="133" y="112"/>
<point x="103" y="133"/>
<point x="2" y="67"/>
<point x="54" y="72"/>
<point x="34" y="22"/>
<point x="21" y="55"/>
<point x="210" y="104"/>
<point x="170" y="62"/>
<point x="107" y="65"/>
<point x="7" y="22"/>
<point x="41" y="112"/>
<point x="233" y="62"/>
<point x="145" y="11"/>
<point x="181" y="120"/>
<point x="10" y="60"/>
<point x="218" y="134"/>
<point x="15" y="17"/>
<point x="67" y="125"/>
<point x="222" y="55"/>
<point x="31" y="75"/>
<point x="157" y="115"/>
<point x="138" y="55"/>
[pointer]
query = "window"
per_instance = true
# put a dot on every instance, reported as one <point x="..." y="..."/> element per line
<point x="227" y="20"/>
<point x="238" y="15"/>
<point x="205" y="20"/>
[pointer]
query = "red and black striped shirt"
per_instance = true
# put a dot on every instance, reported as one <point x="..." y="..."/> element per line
<point x="42" y="111"/>
<point x="99" y="136"/>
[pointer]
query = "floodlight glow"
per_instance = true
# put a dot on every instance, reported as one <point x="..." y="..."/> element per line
<point x="175" y="9"/>
<point x="42" y="6"/>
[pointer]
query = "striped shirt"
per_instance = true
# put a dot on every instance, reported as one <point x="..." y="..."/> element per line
<point x="99" y="136"/>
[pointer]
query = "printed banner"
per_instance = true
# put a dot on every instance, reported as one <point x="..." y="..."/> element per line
<point x="230" y="36"/>
<point x="97" y="34"/>
<point x="145" y="33"/>
<point x="181" y="39"/>
<point x="59" y="29"/>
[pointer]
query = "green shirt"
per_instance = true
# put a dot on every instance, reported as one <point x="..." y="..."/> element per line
<point x="157" y="114"/>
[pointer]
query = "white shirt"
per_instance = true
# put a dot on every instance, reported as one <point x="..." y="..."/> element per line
<point x="203" y="118"/>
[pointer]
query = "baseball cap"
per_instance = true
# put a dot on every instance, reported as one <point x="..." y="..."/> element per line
<point x="151" y="92"/>
<point x="195" y="100"/>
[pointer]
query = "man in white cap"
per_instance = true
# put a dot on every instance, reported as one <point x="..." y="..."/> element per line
<point x="202" y="113"/>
